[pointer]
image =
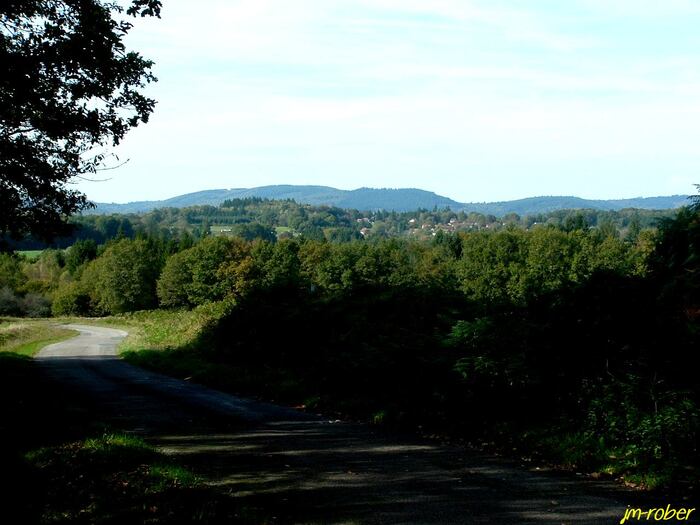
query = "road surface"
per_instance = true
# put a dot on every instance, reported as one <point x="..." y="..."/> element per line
<point x="306" y="469"/>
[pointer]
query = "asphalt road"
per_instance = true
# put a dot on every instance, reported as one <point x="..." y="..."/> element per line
<point x="306" y="469"/>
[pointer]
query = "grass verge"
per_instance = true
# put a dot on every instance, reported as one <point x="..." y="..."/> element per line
<point x="162" y="329"/>
<point x="30" y="255"/>
<point x="174" y="343"/>
<point x="28" y="336"/>
<point x="119" y="478"/>
<point x="170" y="341"/>
<point x="63" y="464"/>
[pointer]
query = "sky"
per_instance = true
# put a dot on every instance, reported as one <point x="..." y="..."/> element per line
<point x="477" y="100"/>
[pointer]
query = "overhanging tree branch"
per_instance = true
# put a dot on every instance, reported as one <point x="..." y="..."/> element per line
<point x="68" y="85"/>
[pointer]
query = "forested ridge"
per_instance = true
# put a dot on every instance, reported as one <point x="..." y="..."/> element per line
<point x="269" y="219"/>
<point x="572" y="336"/>
<point x="398" y="199"/>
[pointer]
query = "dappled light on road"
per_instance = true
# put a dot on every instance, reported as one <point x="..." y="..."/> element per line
<point x="305" y="468"/>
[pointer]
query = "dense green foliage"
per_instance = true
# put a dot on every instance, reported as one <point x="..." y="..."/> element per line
<point x="64" y="463"/>
<point x="573" y="339"/>
<point x="122" y="279"/>
<point x="401" y="199"/>
<point x="259" y="218"/>
<point x="194" y="276"/>
<point x="69" y="89"/>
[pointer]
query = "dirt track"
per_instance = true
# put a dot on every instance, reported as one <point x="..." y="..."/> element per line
<point x="306" y="469"/>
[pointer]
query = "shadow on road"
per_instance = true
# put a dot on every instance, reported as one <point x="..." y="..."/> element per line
<point x="303" y="469"/>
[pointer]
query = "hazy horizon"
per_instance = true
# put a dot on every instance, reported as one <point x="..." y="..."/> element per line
<point x="406" y="188"/>
<point x="479" y="101"/>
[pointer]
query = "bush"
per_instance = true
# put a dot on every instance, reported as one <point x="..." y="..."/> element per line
<point x="35" y="305"/>
<point x="644" y="426"/>
<point x="72" y="299"/>
<point x="31" y="305"/>
<point x="9" y="303"/>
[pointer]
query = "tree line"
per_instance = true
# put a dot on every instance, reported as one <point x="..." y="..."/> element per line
<point x="575" y="339"/>
<point x="573" y="330"/>
<point x="271" y="219"/>
<point x="512" y="265"/>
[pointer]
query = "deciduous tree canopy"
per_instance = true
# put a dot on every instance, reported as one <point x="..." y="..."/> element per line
<point x="69" y="89"/>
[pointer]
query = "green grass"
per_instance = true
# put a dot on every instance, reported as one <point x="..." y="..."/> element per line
<point x="169" y="341"/>
<point x="119" y="452"/>
<point x="584" y="452"/>
<point x="225" y="230"/>
<point x="220" y="228"/>
<point x="31" y="255"/>
<point x="119" y="478"/>
<point x="286" y="229"/>
<point x="28" y="336"/>
<point x="162" y="329"/>
<point x="175" y="343"/>
<point x="63" y="464"/>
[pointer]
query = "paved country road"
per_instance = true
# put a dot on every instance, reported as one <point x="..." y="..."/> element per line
<point x="306" y="469"/>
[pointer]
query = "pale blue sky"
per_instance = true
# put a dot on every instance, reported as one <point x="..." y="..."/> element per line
<point x="478" y="100"/>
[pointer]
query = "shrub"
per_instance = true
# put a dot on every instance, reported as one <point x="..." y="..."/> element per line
<point x="35" y="305"/>
<point x="72" y="299"/>
<point x="9" y="303"/>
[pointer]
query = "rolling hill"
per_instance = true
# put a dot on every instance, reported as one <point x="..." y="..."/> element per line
<point x="402" y="199"/>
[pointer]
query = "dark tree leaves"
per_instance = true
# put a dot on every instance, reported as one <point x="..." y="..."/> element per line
<point x="69" y="89"/>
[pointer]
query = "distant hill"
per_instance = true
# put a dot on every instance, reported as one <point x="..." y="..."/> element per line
<point x="533" y="205"/>
<point x="361" y="199"/>
<point x="403" y="199"/>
